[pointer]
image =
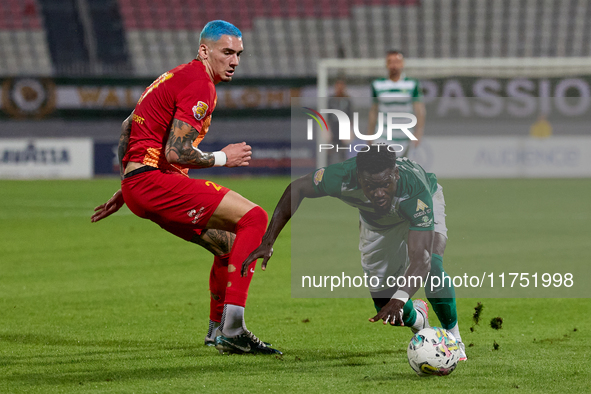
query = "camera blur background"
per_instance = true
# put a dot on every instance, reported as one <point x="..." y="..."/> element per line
<point x="122" y="306"/>
<point x="74" y="69"/>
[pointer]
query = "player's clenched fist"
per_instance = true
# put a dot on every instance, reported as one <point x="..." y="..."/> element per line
<point x="237" y="155"/>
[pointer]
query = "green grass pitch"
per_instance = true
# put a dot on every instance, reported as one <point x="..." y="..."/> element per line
<point x="121" y="306"/>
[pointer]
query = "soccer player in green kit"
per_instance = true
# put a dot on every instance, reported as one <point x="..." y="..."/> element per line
<point x="398" y="93"/>
<point x="402" y="231"/>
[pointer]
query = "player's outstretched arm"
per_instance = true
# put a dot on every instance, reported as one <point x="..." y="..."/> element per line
<point x="180" y="150"/>
<point x="116" y="202"/>
<point x="420" y="244"/>
<point x="124" y="141"/>
<point x="286" y="207"/>
<point x="110" y="207"/>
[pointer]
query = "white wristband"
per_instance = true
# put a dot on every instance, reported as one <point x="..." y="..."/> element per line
<point x="220" y="159"/>
<point x="401" y="295"/>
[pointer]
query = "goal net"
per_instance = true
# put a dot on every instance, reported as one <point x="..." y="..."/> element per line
<point x="360" y="72"/>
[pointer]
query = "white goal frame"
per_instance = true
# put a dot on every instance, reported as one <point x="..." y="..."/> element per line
<point x="440" y="67"/>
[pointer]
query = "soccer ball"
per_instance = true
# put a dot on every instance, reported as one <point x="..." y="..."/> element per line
<point x="433" y="351"/>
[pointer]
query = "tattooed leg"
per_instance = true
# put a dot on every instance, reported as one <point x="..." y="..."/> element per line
<point x="218" y="242"/>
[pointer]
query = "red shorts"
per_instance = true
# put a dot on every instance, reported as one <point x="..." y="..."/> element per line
<point x="180" y="205"/>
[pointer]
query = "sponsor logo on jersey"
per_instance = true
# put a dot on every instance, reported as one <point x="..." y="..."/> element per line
<point x="426" y="222"/>
<point x="200" y="110"/>
<point x="421" y="213"/>
<point x="138" y="119"/>
<point x="318" y="176"/>
<point x="193" y="213"/>
<point x="421" y="205"/>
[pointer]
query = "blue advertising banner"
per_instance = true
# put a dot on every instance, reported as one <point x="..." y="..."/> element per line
<point x="105" y="158"/>
<point x="268" y="158"/>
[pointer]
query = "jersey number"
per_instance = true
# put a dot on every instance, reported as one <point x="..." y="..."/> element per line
<point x="155" y="84"/>
<point x="216" y="187"/>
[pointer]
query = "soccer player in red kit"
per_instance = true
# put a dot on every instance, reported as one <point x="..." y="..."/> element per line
<point x="158" y="144"/>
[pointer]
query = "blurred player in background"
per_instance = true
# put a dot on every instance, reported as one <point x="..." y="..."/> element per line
<point x="158" y="144"/>
<point x="402" y="232"/>
<point x="397" y="93"/>
<point x="339" y="100"/>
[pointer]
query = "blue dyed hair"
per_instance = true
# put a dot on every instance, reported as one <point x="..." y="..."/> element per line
<point x="214" y="30"/>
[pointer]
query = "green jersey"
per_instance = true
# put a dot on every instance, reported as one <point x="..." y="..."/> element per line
<point x="412" y="202"/>
<point x="396" y="96"/>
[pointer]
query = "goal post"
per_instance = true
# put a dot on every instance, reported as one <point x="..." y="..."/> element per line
<point x="424" y="68"/>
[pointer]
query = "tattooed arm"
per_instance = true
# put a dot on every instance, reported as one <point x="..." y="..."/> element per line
<point x="124" y="141"/>
<point x="180" y="150"/>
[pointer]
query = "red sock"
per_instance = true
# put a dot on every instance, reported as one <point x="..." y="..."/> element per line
<point x="249" y="233"/>
<point x="218" y="280"/>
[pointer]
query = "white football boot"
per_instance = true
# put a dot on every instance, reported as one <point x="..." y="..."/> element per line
<point x="462" y="347"/>
<point x="422" y="308"/>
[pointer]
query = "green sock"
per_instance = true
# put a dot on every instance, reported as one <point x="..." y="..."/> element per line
<point x="409" y="315"/>
<point x="443" y="297"/>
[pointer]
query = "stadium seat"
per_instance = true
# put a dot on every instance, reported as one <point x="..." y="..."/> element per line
<point x="290" y="35"/>
<point x="23" y="42"/>
<point x="427" y="28"/>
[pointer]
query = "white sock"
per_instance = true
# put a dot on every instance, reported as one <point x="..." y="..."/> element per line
<point x="213" y="325"/>
<point x="232" y="320"/>
<point x="455" y="330"/>
<point x="419" y="322"/>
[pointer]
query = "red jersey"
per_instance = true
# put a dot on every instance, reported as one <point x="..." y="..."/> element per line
<point x="185" y="93"/>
